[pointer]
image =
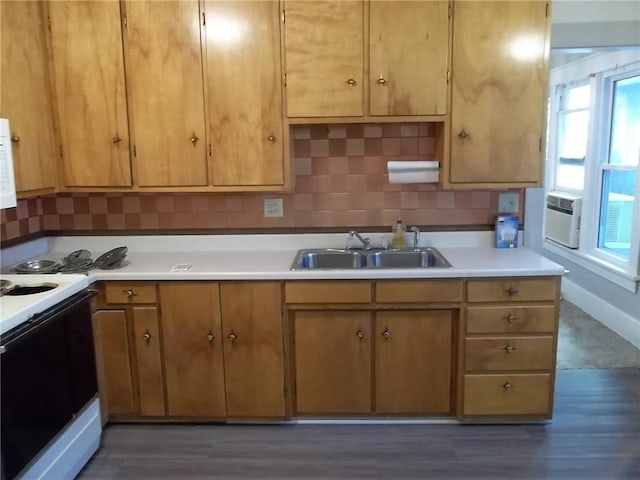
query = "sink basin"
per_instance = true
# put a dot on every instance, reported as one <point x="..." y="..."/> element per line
<point x="413" y="258"/>
<point x="332" y="258"/>
<point x="329" y="258"/>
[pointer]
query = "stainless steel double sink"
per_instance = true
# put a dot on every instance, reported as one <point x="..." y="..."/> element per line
<point x="334" y="258"/>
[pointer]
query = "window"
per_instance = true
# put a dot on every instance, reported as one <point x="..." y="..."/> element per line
<point x="594" y="152"/>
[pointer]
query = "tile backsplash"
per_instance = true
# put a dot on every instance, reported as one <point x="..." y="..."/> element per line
<point x="340" y="181"/>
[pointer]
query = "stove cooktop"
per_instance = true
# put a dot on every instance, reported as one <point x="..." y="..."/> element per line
<point x="15" y="310"/>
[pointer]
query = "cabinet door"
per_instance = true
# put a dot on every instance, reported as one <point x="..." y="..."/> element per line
<point x="408" y="50"/>
<point x="113" y="362"/>
<point x="497" y="100"/>
<point x="244" y="93"/>
<point x="25" y="98"/>
<point x="413" y="361"/>
<point x="146" y="332"/>
<point x="333" y="362"/>
<point x="324" y="58"/>
<point x="253" y="348"/>
<point x="192" y="349"/>
<point x="164" y="79"/>
<point x="90" y="93"/>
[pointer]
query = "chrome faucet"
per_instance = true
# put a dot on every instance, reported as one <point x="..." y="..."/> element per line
<point x="416" y="236"/>
<point x="366" y="242"/>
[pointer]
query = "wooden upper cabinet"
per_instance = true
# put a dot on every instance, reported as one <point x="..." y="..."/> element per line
<point x="499" y="73"/>
<point x="164" y="80"/>
<point x="25" y="95"/>
<point x="244" y="93"/>
<point x="324" y="58"/>
<point x="88" y="68"/>
<point x="408" y="57"/>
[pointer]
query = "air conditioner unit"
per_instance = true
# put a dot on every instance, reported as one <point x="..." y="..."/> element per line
<point x="562" y="222"/>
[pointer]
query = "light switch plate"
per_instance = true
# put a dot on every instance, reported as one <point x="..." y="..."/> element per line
<point x="273" y="207"/>
<point x="508" y="202"/>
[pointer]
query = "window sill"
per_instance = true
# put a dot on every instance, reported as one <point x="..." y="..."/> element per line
<point x="598" y="266"/>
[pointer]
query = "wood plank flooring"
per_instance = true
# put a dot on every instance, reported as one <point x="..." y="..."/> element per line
<point x="595" y="434"/>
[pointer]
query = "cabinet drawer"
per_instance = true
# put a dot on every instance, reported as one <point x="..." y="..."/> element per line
<point x="511" y="290"/>
<point x="328" y="292"/>
<point x="514" y="319"/>
<point x="134" y="293"/>
<point x="509" y="353"/>
<point x="418" y="291"/>
<point x="522" y="394"/>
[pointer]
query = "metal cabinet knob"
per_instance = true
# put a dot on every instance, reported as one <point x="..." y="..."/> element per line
<point x="351" y="82"/>
<point x="463" y="134"/>
<point x="210" y="337"/>
<point x="147" y="336"/>
<point x="130" y="293"/>
<point x="381" y="81"/>
<point x="510" y="349"/>
<point x="511" y="318"/>
<point x="507" y="386"/>
<point x="194" y="139"/>
<point x="512" y="291"/>
<point x="15" y="138"/>
<point x="271" y="138"/>
<point x="116" y="140"/>
<point x="233" y="337"/>
<point x="360" y="334"/>
<point x="386" y="334"/>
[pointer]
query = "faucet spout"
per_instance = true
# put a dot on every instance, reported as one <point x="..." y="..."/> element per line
<point x="366" y="242"/>
<point x="416" y="236"/>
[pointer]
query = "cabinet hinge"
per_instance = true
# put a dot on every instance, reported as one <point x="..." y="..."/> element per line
<point x="135" y="152"/>
<point x="546" y="10"/>
<point x="285" y="391"/>
<point x="49" y="22"/>
<point x="448" y="76"/>
<point x="449" y="14"/>
<point x="285" y="80"/>
<point x="540" y="145"/>
<point x="60" y="149"/>
<point x="204" y="19"/>
<point x="283" y="16"/>
<point x="209" y="149"/>
<point x="124" y="20"/>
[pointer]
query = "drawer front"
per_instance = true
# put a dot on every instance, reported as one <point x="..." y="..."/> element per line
<point x="538" y="319"/>
<point x="130" y="293"/>
<point x="328" y="292"/>
<point x="511" y="290"/>
<point x="418" y="291"/>
<point x="520" y="394"/>
<point x="509" y="353"/>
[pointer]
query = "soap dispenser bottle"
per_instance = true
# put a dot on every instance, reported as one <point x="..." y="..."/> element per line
<point x="398" y="240"/>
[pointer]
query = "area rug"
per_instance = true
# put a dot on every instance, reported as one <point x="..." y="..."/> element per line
<point x="583" y="342"/>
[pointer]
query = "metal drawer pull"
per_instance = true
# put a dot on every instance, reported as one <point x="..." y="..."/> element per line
<point x="351" y="82"/>
<point x="360" y="334"/>
<point x="463" y="134"/>
<point x="512" y="291"/>
<point x="507" y="386"/>
<point x="130" y="293"/>
<point x="147" y="336"/>
<point x="510" y="348"/>
<point x="511" y="318"/>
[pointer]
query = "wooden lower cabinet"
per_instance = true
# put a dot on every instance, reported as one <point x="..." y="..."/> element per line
<point x="113" y="361"/>
<point x="507" y="394"/>
<point x="413" y="361"/>
<point x="146" y="331"/>
<point x="192" y="347"/>
<point x="253" y="349"/>
<point x="333" y="362"/>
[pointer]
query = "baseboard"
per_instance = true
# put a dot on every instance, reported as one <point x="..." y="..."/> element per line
<point x="620" y="322"/>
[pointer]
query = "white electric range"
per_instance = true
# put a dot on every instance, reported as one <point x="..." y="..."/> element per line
<point x="15" y="310"/>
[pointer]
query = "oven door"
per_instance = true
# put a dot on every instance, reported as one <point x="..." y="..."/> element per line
<point x="48" y="375"/>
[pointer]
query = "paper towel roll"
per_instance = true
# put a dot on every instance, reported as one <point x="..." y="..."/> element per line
<point x="414" y="171"/>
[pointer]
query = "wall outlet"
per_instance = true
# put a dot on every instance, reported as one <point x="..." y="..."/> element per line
<point x="508" y="202"/>
<point x="273" y="207"/>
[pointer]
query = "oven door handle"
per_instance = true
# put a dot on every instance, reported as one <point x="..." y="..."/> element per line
<point x="39" y="320"/>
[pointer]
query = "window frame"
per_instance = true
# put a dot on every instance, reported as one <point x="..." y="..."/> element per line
<point x="601" y="72"/>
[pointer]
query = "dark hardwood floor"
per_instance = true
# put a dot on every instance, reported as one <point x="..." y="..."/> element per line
<point x="595" y="434"/>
